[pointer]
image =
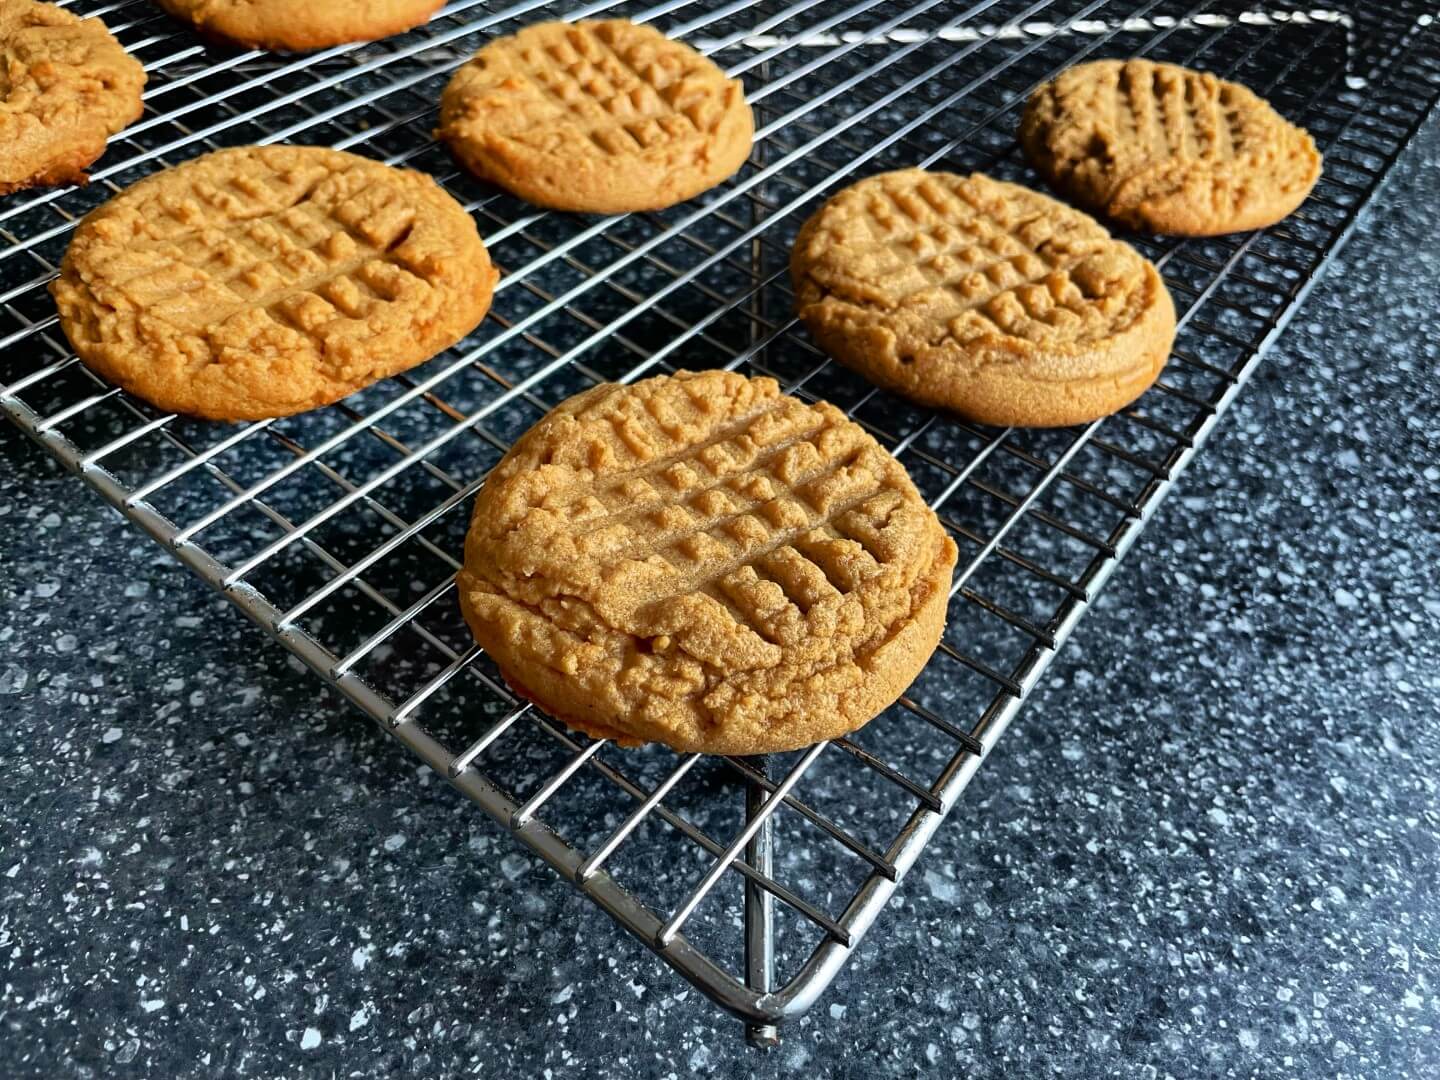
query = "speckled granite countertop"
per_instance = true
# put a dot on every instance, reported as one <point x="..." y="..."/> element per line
<point x="208" y="868"/>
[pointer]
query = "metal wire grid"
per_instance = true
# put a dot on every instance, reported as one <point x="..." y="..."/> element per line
<point x="339" y="532"/>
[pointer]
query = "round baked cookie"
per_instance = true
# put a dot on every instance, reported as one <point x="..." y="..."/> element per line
<point x="605" y="117"/>
<point x="701" y="561"/>
<point x="66" y="86"/>
<point x="266" y="280"/>
<point x="1165" y="149"/>
<point x="982" y="297"/>
<point x="299" y="27"/>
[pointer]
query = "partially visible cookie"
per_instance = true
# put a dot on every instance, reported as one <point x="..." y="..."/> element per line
<point x="292" y="26"/>
<point x="604" y="117"/>
<point x="1165" y="149"/>
<point x="267" y="280"/>
<point x="701" y="561"/>
<point x="66" y="86"/>
<point x="981" y="297"/>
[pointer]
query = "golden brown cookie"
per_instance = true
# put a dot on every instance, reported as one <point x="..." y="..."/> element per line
<point x="702" y="561"/>
<point x="66" y="86"/>
<point x="982" y="297"/>
<point x="1166" y="149"/>
<point x="300" y="26"/>
<point x="267" y="280"/>
<point x="596" y="116"/>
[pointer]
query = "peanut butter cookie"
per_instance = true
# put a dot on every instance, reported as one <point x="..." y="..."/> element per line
<point x="267" y="280"/>
<point x="1165" y="149"/>
<point x="701" y="561"/>
<point x="982" y="297"/>
<point x="66" y="86"/>
<point x="596" y="116"/>
<point x="299" y="27"/>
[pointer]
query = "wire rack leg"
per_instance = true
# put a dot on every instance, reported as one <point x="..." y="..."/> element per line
<point x="759" y="914"/>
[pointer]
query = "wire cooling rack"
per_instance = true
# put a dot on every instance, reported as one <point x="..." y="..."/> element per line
<point x="339" y="531"/>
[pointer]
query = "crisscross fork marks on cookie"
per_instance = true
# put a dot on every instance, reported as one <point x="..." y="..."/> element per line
<point x="1165" y="148"/>
<point x="932" y="240"/>
<point x="597" y="117"/>
<point x="771" y="543"/>
<point x="330" y="271"/>
<point x="685" y="93"/>
<point x="699" y="560"/>
<point x="732" y="509"/>
<point x="768" y="580"/>
<point x="301" y="262"/>
<point x="747" y="516"/>
<point x="981" y="261"/>
<point x="733" y="499"/>
<point x="1173" y="112"/>
<point x="981" y="296"/>
<point x="808" y="563"/>
<point x="261" y="281"/>
<point x="695" y="467"/>
<point x="66" y="86"/>
<point x="594" y="74"/>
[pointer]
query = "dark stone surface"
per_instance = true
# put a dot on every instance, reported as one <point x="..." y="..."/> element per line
<point x="1207" y="847"/>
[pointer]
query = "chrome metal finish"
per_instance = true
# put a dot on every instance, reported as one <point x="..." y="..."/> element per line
<point x="339" y="532"/>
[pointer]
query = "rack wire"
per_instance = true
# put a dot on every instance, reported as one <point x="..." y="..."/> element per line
<point x="339" y="531"/>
